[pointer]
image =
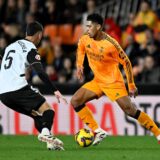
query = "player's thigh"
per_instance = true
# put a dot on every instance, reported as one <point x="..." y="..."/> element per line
<point x="7" y="101"/>
<point x="86" y="93"/>
<point x="127" y="105"/>
<point x="93" y="87"/>
<point x="26" y="99"/>
<point x="82" y="96"/>
<point x="114" y="91"/>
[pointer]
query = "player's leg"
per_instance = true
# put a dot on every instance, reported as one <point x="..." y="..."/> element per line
<point x="131" y="110"/>
<point x="78" y="101"/>
<point x="43" y="119"/>
<point x="44" y="123"/>
<point x="38" y="122"/>
<point x="20" y="102"/>
<point x="47" y="115"/>
<point x="35" y="104"/>
<point x="30" y="102"/>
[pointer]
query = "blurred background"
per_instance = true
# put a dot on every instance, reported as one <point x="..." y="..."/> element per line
<point x="135" y="24"/>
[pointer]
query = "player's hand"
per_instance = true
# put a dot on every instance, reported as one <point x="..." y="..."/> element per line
<point x="60" y="97"/>
<point x="80" y="72"/>
<point x="133" y="92"/>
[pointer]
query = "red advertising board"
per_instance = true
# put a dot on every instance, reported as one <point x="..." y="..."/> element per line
<point x="108" y="114"/>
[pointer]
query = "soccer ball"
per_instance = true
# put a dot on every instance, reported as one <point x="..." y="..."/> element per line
<point x="84" y="137"/>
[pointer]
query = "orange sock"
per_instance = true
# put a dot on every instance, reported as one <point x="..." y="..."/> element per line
<point x="148" y="123"/>
<point x="87" y="117"/>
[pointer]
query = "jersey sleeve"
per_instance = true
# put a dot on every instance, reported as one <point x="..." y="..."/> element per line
<point x="125" y="62"/>
<point x="2" y="53"/>
<point x="44" y="77"/>
<point x="80" y="53"/>
<point x="33" y="57"/>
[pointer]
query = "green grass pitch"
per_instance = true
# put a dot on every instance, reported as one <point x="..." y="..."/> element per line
<point x="112" y="148"/>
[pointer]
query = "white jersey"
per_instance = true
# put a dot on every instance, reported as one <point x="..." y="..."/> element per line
<point x="14" y="64"/>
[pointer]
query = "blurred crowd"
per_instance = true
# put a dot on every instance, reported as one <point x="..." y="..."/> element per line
<point x="140" y="38"/>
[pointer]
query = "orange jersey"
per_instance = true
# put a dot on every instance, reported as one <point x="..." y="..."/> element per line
<point x="104" y="57"/>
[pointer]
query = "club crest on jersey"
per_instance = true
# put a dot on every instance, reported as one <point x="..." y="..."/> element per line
<point x="38" y="57"/>
<point x="88" y="46"/>
<point x="101" y="49"/>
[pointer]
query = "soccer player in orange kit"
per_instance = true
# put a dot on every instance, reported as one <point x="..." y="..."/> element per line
<point x="104" y="55"/>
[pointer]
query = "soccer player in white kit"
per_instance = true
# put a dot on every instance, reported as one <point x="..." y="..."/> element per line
<point x="17" y="94"/>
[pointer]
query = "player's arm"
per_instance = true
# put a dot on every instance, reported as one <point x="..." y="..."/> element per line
<point x="2" y="53"/>
<point x="124" y="60"/>
<point x="80" y="58"/>
<point x="34" y="60"/>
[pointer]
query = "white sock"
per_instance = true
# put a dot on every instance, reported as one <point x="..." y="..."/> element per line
<point x="45" y="131"/>
<point x="158" y="137"/>
<point x="98" y="130"/>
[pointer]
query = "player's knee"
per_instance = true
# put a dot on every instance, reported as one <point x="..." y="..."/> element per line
<point x="130" y="111"/>
<point x="76" y="101"/>
<point x="44" y="107"/>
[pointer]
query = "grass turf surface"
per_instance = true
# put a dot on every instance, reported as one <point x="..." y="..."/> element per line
<point x="112" y="148"/>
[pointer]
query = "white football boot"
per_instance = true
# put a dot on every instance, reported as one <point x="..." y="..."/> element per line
<point x="100" y="134"/>
<point x="53" y="143"/>
<point x="53" y="146"/>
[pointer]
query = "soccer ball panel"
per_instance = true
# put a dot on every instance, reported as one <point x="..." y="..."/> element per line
<point x="84" y="137"/>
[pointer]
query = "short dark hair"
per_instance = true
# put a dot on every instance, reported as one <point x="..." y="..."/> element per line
<point x="33" y="28"/>
<point x="97" y="18"/>
<point x="146" y="1"/>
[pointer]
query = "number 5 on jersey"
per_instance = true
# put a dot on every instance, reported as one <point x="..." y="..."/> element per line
<point x="9" y="59"/>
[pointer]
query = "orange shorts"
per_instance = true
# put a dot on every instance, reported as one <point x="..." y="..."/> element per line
<point x="112" y="91"/>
